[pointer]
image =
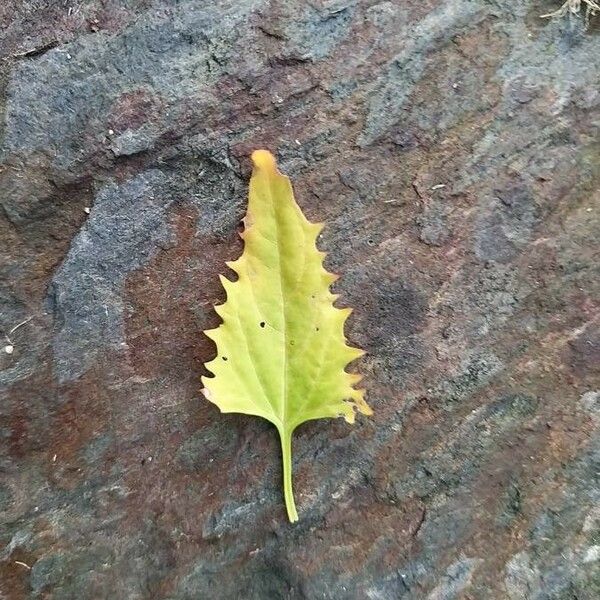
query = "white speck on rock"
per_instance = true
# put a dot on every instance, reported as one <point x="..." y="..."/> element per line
<point x="592" y="554"/>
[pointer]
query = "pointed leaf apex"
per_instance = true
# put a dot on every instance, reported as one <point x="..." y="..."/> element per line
<point x="264" y="160"/>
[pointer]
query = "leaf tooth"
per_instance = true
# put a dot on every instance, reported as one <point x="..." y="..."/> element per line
<point x="211" y="334"/>
<point x="361" y="404"/>
<point x="330" y="277"/>
<point x="226" y="283"/>
<point x="348" y="413"/>
<point x="221" y="310"/>
<point x="247" y="222"/>
<point x="356" y="400"/>
<point x="356" y="394"/>
<point x="356" y="352"/>
<point x="239" y="266"/>
<point x="354" y="378"/>
<point x="350" y="354"/>
<point x="207" y="365"/>
<point x="344" y="312"/>
<point x="316" y="228"/>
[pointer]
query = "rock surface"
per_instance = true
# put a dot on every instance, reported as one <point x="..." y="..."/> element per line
<point x="452" y="149"/>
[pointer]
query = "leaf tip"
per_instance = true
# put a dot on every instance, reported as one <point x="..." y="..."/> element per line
<point x="263" y="159"/>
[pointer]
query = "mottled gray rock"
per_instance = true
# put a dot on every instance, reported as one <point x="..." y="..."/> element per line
<point x="451" y="150"/>
<point x="100" y="257"/>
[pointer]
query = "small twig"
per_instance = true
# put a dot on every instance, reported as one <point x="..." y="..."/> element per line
<point x="420" y="522"/>
<point x="33" y="52"/>
<point x="9" y="348"/>
<point x="19" y="562"/>
<point x="574" y="7"/>
<point x="19" y="325"/>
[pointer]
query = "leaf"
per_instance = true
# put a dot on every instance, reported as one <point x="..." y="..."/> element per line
<point x="281" y="348"/>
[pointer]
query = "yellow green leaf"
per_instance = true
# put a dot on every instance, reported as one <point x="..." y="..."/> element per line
<point x="281" y="350"/>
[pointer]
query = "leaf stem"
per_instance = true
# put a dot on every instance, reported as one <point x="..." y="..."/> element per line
<point x="288" y="492"/>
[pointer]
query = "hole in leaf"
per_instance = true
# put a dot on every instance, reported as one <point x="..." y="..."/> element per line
<point x="225" y="358"/>
<point x="262" y="324"/>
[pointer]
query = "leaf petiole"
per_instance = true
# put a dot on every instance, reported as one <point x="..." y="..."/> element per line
<point x="285" y="436"/>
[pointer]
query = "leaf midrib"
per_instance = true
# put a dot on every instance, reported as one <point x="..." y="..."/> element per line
<point x="284" y="393"/>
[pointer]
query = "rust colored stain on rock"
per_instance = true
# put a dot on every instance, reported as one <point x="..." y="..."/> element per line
<point x="170" y="301"/>
<point x="132" y="109"/>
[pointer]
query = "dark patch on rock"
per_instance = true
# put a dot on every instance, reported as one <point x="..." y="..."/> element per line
<point x="6" y="498"/>
<point x="585" y="351"/>
<point x="513" y="504"/>
<point x="396" y="309"/>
